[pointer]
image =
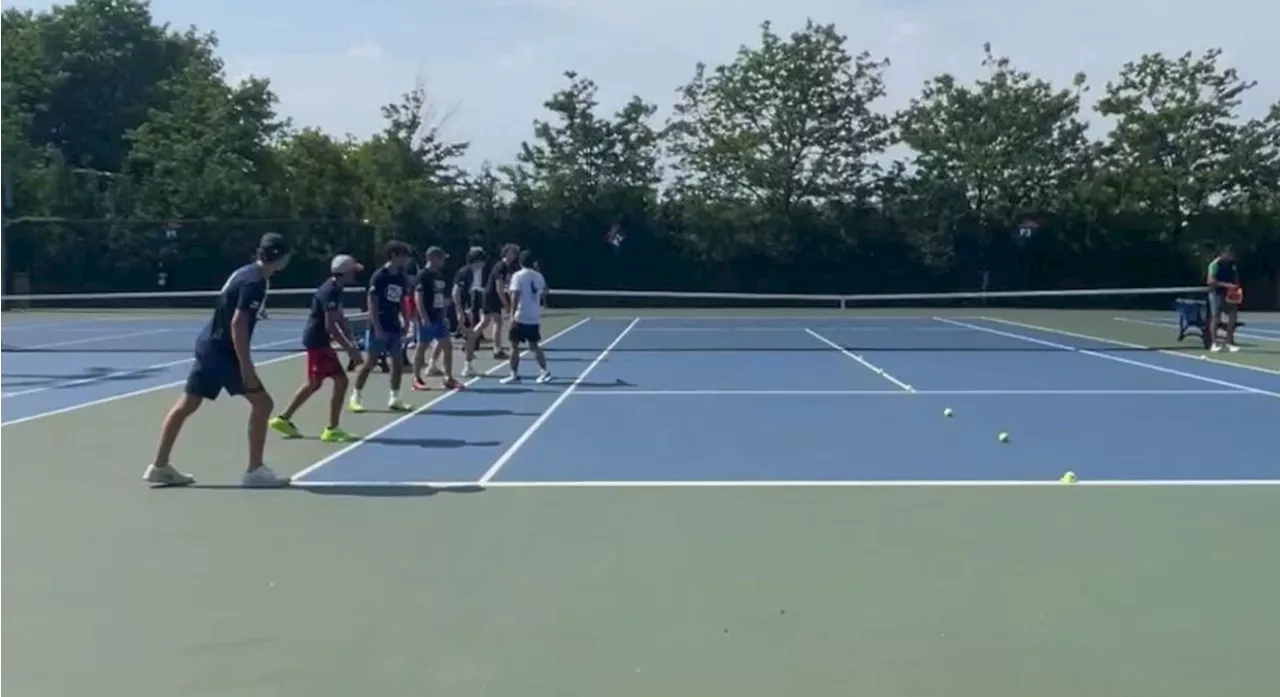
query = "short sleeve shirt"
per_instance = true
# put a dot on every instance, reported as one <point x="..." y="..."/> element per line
<point x="388" y="288"/>
<point x="432" y="286"/>
<point x="245" y="290"/>
<point x="328" y="297"/>
<point x="527" y="287"/>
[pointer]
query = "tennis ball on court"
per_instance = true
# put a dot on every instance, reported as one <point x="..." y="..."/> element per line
<point x="1068" y="478"/>
<point x="947" y="412"/>
<point x="1003" y="437"/>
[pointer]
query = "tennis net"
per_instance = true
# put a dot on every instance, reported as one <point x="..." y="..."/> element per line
<point x="670" y="321"/>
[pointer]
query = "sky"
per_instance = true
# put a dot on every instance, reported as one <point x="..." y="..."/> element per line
<point x="490" y="64"/>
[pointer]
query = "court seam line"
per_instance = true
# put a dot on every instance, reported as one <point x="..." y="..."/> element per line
<point x="891" y="393"/>
<point x="533" y="428"/>
<point x="430" y="403"/>
<point x="860" y="360"/>
<point x="1117" y="359"/>
<point x="136" y="393"/>
<point x="797" y="483"/>
<point x="1246" y="333"/>
<point x="1126" y="344"/>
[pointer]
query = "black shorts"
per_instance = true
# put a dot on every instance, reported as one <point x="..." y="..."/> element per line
<point x="522" y="333"/>
<point x="211" y="373"/>
<point x="491" y="303"/>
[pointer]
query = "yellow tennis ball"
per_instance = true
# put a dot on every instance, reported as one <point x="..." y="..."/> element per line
<point x="1003" y="437"/>
<point x="1068" y="478"/>
<point x="947" y="412"/>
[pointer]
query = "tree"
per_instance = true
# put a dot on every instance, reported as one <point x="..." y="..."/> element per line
<point x="987" y="156"/>
<point x="788" y="122"/>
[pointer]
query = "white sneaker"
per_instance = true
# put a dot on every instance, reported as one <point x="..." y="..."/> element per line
<point x="1233" y="348"/>
<point x="468" y="371"/>
<point x="1216" y="348"/>
<point x="544" y="378"/>
<point x="510" y="380"/>
<point x="261" y="477"/>
<point x="167" y="475"/>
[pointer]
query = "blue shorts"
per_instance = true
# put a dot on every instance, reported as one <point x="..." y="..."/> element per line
<point x="212" y="373"/>
<point x="390" y="343"/>
<point x="432" y="331"/>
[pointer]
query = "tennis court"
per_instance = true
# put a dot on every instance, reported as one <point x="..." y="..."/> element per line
<point x="765" y="497"/>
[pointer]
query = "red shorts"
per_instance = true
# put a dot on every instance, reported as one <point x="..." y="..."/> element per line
<point x="323" y="363"/>
<point x="409" y="307"/>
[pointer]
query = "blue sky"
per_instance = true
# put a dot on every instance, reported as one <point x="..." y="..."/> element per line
<point x="490" y="64"/>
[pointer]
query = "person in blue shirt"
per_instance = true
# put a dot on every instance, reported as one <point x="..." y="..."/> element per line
<point x="385" y="301"/>
<point x="224" y="361"/>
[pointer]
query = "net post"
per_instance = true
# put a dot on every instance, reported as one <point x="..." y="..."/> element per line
<point x="844" y="303"/>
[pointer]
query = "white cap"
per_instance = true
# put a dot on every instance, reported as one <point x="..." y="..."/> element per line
<point x="344" y="263"/>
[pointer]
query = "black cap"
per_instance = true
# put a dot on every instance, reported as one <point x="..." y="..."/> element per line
<point x="272" y="247"/>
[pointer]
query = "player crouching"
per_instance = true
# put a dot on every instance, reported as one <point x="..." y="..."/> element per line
<point x="527" y="288"/>
<point x="431" y="302"/>
<point x="326" y="324"/>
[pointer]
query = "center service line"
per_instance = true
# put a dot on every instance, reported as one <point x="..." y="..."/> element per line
<point x="542" y="419"/>
<point x="862" y="361"/>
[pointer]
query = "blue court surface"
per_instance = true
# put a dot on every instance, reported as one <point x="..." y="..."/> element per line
<point x="54" y="364"/>
<point x="835" y="401"/>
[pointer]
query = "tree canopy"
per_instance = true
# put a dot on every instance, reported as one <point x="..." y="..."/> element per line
<point x="778" y="171"/>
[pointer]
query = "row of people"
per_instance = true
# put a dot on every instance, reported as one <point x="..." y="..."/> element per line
<point x="223" y="358"/>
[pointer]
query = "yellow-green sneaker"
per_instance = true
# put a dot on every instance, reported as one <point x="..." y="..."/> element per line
<point x="284" y="426"/>
<point x="336" y="435"/>
<point x="397" y="405"/>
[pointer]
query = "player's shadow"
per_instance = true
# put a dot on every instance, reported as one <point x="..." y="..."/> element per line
<point x="389" y="491"/>
<point x="386" y="491"/>
<point x="85" y="377"/>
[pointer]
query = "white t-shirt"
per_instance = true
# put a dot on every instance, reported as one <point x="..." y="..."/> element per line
<point x="527" y="287"/>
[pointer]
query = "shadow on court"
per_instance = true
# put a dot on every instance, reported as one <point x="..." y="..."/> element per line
<point x="55" y="381"/>
<point x="354" y="490"/>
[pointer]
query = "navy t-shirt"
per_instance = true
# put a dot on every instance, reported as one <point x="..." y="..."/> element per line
<point x="388" y="288"/>
<point x="245" y="290"/>
<point x="432" y="286"/>
<point x="500" y="277"/>
<point x="469" y="291"/>
<point x="328" y="297"/>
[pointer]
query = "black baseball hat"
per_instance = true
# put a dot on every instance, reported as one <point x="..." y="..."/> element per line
<point x="272" y="247"/>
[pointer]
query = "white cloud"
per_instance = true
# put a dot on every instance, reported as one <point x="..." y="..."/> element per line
<point x="649" y="48"/>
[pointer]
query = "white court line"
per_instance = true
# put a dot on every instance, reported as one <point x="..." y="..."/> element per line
<point x="136" y="393"/>
<point x="1247" y="333"/>
<point x="92" y="339"/>
<point x="802" y="484"/>
<point x="861" y="361"/>
<point x="1108" y="357"/>
<point x="1113" y="342"/>
<point x="388" y="426"/>
<point x="511" y="450"/>
<point x="888" y="393"/>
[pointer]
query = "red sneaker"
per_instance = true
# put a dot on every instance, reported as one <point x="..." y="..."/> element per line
<point x="451" y="384"/>
<point x="420" y="386"/>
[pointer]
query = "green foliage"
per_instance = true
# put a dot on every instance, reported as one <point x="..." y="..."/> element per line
<point x="776" y="171"/>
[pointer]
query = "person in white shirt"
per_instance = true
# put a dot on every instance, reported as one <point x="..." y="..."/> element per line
<point x="527" y="287"/>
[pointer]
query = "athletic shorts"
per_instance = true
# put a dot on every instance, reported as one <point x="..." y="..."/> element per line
<point x="1218" y="304"/>
<point x="322" y="362"/>
<point x="492" y="303"/>
<point x="432" y="331"/>
<point x="409" y="308"/>
<point x="524" y="333"/>
<point x="211" y="373"/>
<point x="391" y="342"/>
